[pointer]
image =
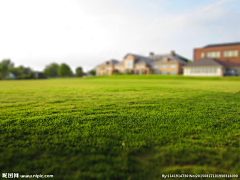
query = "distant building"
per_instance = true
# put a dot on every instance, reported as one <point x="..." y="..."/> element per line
<point x="215" y="60"/>
<point x="212" y="67"/>
<point x="39" y="75"/>
<point x="10" y="76"/>
<point x="168" y="64"/>
<point x="106" y="68"/>
<point x="136" y="64"/>
<point x="224" y="51"/>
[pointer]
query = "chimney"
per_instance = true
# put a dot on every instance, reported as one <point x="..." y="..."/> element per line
<point x="151" y="54"/>
<point x="173" y="53"/>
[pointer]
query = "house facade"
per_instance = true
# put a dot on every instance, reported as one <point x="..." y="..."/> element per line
<point x="212" y="67"/>
<point x="225" y="52"/>
<point x="169" y="64"/>
<point x="136" y="64"/>
<point x="106" y="68"/>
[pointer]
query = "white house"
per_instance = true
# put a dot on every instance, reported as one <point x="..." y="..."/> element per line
<point x="211" y="67"/>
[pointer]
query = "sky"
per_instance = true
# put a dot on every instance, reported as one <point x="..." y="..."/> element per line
<point x="85" y="33"/>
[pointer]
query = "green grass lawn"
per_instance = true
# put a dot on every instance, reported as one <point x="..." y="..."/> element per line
<point x="120" y="127"/>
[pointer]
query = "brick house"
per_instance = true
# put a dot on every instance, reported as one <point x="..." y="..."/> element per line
<point x="215" y="60"/>
<point x="225" y="51"/>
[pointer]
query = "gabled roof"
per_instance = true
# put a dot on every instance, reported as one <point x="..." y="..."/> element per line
<point x="158" y="58"/>
<point x="119" y="64"/>
<point x="171" y="58"/>
<point x="144" y="60"/>
<point x="212" y="62"/>
<point x="109" y="62"/>
<point x="229" y="63"/>
<point x="138" y="57"/>
<point x="222" y="44"/>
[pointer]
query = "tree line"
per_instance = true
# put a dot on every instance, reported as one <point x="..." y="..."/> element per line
<point x="53" y="70"/>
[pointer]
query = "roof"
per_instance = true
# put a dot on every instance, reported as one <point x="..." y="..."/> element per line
<point x="109" y="62"/>
<point x="119" y="64"/>
<point x="158" y="58"/>
<point x="138" y="56"/>
<point x="222" y="44"/>
<point x="144" y="60"/>
<point x="229" y="63"/>
<point x="171" y="58"/>
<point x="212" y="62"/>
<point x="149" y="60"/>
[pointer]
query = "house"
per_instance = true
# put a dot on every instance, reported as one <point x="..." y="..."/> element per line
<point x="212" y="67"/>
<point x="224" y="51"/>
<point x="10" y="76"/>
<point x="39" y="75"/>
<point x="137" y="64"/>
<point x="106" y="68"/>
<point x="169" y="64"/>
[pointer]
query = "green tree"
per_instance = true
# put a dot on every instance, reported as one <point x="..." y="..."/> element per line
<point x="65" y="70"/>
<point x="92" y="72"/>
<point x="21" y="72"/>
<point x="52" y="70"/>
<point x="79" y="71"/>
<point x="5" y="66"/>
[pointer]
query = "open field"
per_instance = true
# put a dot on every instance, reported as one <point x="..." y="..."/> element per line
<point x="120" y="127"/>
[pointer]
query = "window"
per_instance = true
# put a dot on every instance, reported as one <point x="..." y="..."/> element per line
<point x="156" y="67"/>
<point x="174" y="66"/>
<point x="129" y="64"/>
<point x="203" y="70"/>
<point x="174" y="72"/>
<point x="164" y="72"/>
<point x="231" y="53"/>
<point x="214" y="54"/>
<point x="202" y="55"/>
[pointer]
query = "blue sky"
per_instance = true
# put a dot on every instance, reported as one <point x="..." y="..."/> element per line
<point x="87" y="32"/>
